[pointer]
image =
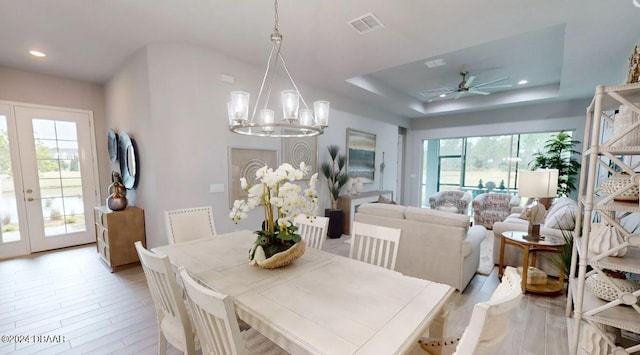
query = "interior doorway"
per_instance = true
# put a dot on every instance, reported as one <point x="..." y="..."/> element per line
<point x="48" y="178"/>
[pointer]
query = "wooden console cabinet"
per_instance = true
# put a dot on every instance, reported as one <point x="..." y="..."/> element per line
<point x="116" y="231"/>
<point x="349" y="205"/>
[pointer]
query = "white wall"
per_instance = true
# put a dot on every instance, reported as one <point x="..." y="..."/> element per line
<point x="386" y="141"/>
<point x="568" y="115"/>
<point x="128" y="110"/>
<point x="172" y="101"/>
<point x="22" y="86"/>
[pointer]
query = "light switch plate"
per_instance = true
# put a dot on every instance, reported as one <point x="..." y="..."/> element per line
<point x="216" y="188"/>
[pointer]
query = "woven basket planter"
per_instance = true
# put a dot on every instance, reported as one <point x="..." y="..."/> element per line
<point x="603" y="290"/>
<point x="615" y="183"/>
<point x="277" y="260"/>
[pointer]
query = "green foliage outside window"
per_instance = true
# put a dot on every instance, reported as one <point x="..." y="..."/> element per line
<point x="5" y="158"/>
<point x="558" y="154"/>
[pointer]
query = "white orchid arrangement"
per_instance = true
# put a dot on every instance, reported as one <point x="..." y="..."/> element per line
<point x="276" y="189"/>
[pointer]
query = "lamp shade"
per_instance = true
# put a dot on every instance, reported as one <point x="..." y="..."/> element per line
<point x="539" y="183"/>
<point x="321" y="109"/>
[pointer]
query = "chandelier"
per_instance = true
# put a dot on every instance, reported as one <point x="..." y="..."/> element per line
<point x="296" y="121"/>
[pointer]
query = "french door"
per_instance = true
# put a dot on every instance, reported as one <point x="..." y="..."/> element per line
<point x="48" y="176"/>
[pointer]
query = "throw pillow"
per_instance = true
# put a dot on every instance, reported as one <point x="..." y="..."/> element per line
<point x="562" y="218"/>
<point x="382" y="199"/>
<point x="559" y="203"/>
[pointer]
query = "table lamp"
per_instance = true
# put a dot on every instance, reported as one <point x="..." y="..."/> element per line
<point x="537" y="184"/>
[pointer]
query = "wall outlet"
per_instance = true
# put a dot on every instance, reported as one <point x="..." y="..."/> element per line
<point x="216" y="188"/>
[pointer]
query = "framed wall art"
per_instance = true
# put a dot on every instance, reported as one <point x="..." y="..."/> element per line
<point x="244" y="162"/>
<point x="361" y="155"/>
<point x="296" y="150"/>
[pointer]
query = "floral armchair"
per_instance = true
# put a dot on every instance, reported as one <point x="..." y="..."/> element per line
<point x="492" y="207"/>
<point x="450" y="201"/>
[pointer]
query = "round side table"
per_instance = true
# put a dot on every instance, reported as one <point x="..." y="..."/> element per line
<point x="529" y="250"/>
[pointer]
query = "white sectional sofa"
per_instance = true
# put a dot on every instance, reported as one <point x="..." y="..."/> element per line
<point x="434" y="245"/>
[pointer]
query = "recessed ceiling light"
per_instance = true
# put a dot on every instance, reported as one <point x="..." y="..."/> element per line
<point x="443" y="95"/>
<point x="435" y="63"/>
<point x="522" y="82"/>
<point x="37" y="54"/>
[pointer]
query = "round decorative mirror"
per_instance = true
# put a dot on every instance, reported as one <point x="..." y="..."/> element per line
<point x="112" y="141"/>
<point x="128" y="161"/>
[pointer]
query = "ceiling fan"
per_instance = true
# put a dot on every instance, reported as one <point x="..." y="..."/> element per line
<point x="466" y="87"/>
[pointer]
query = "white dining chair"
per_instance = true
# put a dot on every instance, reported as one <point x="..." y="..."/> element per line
<point x="189" y="224"/>
<point x="174" y="325"/>
<point x="215" y="321"/>
<point x="489" y="322"/>
<point x="313" y="230"/>
<point x="375" y="245"/>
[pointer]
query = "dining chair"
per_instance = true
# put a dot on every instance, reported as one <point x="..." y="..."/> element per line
<point x="174" y="325"/>
<point x="312" y="230"/>
<point x="489" y="322"/>
<point x="214" y="318"/>
<point x="375" y="245"/>
<point x="189" y="224"/>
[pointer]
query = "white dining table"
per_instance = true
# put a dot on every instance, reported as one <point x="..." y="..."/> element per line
<point x="322" y="303"/>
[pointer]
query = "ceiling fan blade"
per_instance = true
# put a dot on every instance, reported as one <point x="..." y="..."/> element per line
<point x="469" y="81"/>
<point x="490" y="82"/>
<point x="479" y="92"/>
<point x="459" y="94"/>
<point x="497" y="86"/>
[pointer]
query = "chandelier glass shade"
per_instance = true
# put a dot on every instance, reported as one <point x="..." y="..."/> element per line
<point x="296" y="120"/>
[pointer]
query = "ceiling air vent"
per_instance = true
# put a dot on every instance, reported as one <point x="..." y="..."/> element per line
<point x="365" y="23"/>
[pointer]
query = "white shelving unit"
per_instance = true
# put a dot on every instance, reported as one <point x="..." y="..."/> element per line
<point x="623" y="313"/>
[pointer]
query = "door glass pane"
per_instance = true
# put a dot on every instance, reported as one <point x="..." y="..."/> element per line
<point x="44" y="129"/>
<point x="450" y="172"/>
<point x="10" y="231"/>
<point x="59" y="176"/>
<point x="423" y="183"/>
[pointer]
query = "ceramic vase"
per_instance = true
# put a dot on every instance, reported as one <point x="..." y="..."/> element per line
<point x="117" y="200"/>
<point x="605" y="237"/>
<point x="358" y="186"/>
<point x="625" y="118"/>
<point x="593" y="343"/>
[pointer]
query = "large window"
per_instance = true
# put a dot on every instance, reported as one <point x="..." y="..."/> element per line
<point x="479" y="164"/>
<point x="450" y="163"/>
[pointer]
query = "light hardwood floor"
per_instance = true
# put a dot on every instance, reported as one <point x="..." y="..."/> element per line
<point x="69" y="293"/>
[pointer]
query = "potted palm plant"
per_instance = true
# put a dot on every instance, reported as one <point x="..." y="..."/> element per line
<point x="336" y="175"/>
<point x="559" y="155"/>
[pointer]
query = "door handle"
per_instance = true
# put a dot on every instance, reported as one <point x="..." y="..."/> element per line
<point x="30" y="199"/>
<point x="29" y="191"/>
